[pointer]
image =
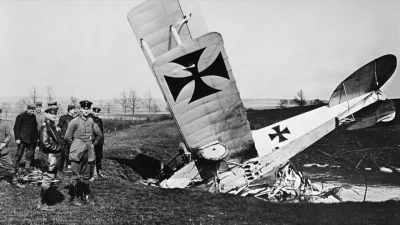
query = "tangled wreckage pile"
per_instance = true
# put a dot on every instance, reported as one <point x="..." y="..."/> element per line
<point x="32" y="177"/>
<point x="286" y="184"/>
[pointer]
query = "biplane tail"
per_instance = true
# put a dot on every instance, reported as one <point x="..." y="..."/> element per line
<point x="357" y="103"/>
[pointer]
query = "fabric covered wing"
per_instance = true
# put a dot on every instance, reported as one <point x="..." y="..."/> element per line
<point x="370" y="77"/>
<point x="380" y="111"/>
<point x="151" y="21"/>
<point x="198" y="84"/>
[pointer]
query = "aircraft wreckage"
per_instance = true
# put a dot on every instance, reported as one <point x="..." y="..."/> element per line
<point x="221" y="153"/>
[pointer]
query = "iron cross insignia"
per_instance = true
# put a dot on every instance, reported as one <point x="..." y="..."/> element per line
<point x="201" y="89"/>
<point x="279" y="133"/>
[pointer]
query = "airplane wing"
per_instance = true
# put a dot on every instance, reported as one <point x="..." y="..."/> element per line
<point x="194" y="74"/>
<point x="197" y="81"/>
<point x="154" y="22"/>
<point x="371" y="77"/>
<point x="380" y="111"/>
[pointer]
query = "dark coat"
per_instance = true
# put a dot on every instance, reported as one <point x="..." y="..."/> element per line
<point x="63" y="123"/>
<point x="25" y="128"/>
<point x="50" y="144"/>
<point x="99" y="123"/>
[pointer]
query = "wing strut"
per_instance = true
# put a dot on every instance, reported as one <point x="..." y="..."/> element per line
<point x="176" y="35"/>
<point x="348" y="104"/>
<point x="146" y="47"/>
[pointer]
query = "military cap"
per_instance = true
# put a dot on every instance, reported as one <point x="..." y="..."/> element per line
<point x="52" y="110"/>
<point x="31" y="106"/>
<point x="70" y="107"/>
<point x="85" y="104"/>
<point x="52" y="104"/>
<point x="96" y="109"/>
<point x="38" y="104"/>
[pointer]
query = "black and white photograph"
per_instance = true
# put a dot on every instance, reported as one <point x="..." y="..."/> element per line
<point x="199" y="112"/>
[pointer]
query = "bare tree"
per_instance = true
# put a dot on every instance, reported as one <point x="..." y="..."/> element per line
<point x="21" y="105"/>
<point x="133" y="102"/>
<point x="6" y="108"/>
<point x="148" y="102"/>
<point x="108" y="107"/>
<point x="49" y="92"/>
<point x="33" y="94"/>
<point x="282" y="104"/>
<point x="123" y="101"/>
<point x="300" y="99"/>
<point x="74" y="101"/>
<point x="155" y="107"/>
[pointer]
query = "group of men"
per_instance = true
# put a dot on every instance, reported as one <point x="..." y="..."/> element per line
<point x="74" y="145"/>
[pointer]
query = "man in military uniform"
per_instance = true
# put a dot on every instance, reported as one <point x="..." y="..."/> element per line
<point x="98" y="148"/>
<point x="50" y="144"/>
<point x="79" y="133"/>
<point x="63" y="125"/>
<point x="26" y="136"/>
<point x="7" y="171"/>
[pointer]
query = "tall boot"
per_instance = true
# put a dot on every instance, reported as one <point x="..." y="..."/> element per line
<point x="99" y="171"/>
<point x="61" y="166"/>
<point x="93" y="171"/>
<point x="86" y="195"/>
<point x="16" y="164"/>
<point x="76" y="195"/>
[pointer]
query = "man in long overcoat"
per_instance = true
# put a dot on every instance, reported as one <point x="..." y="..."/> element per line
<point x="63" y="125"/>
<point x="7" y="171"/>
<point x="26" y="136"/>
<point x="98" y="148"/>
<point x="79" y="133"/>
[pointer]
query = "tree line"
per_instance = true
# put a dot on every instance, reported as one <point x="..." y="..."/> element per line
<point x="130" y="102"/>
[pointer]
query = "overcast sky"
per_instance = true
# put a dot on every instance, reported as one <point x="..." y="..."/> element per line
<point x="87" y="49"/>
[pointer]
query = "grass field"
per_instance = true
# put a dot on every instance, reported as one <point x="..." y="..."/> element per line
<point x="122" y="199"/>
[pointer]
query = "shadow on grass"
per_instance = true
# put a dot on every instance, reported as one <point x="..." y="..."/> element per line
<point x="142" y="165"/>
<point x="71" y="191"/>
<point x="54" y="196"/>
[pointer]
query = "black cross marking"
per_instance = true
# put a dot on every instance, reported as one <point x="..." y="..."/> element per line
<point x="279" y="134"/>
<point x="201" y="89"/>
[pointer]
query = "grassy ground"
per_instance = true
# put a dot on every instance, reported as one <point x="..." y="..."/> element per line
<point x="122" y="199"/>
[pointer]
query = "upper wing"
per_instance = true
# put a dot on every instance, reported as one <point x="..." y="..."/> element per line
<point x="151" y="21"/>
<point x="370" y="77"/>
<point x="198" y="84"/>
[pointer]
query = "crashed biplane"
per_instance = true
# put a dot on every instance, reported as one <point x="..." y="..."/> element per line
<point x="193" y="72"/>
